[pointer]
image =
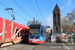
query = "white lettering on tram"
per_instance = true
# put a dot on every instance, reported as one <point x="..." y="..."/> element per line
<point x="0" y="34"/>
<point x="14" y="35"/>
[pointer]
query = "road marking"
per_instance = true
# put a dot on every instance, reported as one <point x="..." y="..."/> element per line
<point x="65" y="46"/>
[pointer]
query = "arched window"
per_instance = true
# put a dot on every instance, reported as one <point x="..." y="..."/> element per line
<point x="54" y="22"/>
<point x="54" y="15"/>
<point x="58" y="15"/>
<point x="56" y="28"/>
<point x="58" y="22"/>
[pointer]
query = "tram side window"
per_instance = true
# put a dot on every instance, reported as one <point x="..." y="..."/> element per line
<point x="21" y="33"/>
<point x="25" y="33"/>
<point x="41" y="32"/>
<point x="16" y="32"/>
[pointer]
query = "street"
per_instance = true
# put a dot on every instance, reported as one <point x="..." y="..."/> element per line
<point x="45" y="46"/>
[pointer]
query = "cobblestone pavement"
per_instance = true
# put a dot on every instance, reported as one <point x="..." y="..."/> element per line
<point x="45" y="46"/>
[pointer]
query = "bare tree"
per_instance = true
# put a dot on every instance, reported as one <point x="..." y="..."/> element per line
<point x="68" y="20"/>
<point x="71" y="15"/>
<point x="32" y="22"/>
<point x="66" y="23"/>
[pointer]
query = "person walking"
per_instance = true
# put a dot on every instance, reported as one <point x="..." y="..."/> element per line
<point x="50" y="34"/>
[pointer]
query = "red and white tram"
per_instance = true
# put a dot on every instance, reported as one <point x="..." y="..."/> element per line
<point x="12" y="32"/>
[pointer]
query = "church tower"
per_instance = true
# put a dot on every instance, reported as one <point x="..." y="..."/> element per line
<point x="57" y="20"/>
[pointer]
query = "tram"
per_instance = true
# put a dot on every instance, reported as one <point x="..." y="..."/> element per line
<point x="37" y="34"/>
<point x="12" y="32"/>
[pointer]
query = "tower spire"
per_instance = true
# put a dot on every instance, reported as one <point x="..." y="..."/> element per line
<point x="56" y="8"/>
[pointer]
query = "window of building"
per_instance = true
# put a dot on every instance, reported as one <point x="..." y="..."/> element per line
<point x="54" y="15"/>
<point x="54" y="22"/>
<point x="56" y="28"/>
<point x="58" y="22"/>
<point x="58" y="16"/>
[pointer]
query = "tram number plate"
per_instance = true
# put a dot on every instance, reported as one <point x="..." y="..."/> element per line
<point x="33" y="41"/>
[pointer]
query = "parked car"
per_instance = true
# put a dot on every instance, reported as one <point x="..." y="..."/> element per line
<point x="69" y="33"/>
<point x="73" y="36"/>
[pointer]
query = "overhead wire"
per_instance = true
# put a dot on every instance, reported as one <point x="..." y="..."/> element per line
<point x="39" y="9"/>
<point x="33" y="8"/>
<point x="14" y="11"/>
<point x="3" y="4"/>
<point x="20" y="15"/>
<point x="21" y="8"/>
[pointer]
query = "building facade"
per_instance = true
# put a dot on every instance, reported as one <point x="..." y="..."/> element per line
<point x="57" y="20"/>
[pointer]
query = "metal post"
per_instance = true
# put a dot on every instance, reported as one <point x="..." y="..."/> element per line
<point x="34" y="20"/>
<point x="71" y="38"/>
<point x="66" y="37"/>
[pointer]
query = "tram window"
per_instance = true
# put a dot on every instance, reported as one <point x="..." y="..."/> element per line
<point x="26" y="33"/>
<point x="18" y="32"/>
<point x="21" y="33"/>
<point x="23" y="30"/>
<point x="41" y="32"/>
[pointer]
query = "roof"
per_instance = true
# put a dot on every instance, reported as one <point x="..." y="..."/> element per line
<point x="56" y="8"/>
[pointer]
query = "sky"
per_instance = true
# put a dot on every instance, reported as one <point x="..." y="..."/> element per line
<point x="29" y="9"/>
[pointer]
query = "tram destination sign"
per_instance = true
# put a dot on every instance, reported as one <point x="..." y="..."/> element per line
<point x="35" y="26"/>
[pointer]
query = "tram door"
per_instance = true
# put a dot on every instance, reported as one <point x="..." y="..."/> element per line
<point x="25" y="36"/>
<point x="42" y="35"/>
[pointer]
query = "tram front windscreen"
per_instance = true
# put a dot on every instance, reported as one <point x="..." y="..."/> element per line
<point x="34" y="30"/>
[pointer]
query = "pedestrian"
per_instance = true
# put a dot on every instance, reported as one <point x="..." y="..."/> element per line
<point x="50" y="34"/>
<point x="51" y="31"/>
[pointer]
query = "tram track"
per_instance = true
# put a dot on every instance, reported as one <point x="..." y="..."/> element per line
<point x="35" y="47"/>
<point x="27" y="46"/>
<point x="21" y="47"/>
